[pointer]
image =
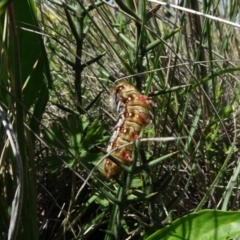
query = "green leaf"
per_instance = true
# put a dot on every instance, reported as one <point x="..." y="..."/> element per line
<point x="36" y="79"/>
<point x="90" y="157"/>
<point x="206" y="224"/>
<point x="94" y="135"/>
<point x="137" y="182"/>
<point x="103" y="202"/>
<point x="74" y="127"/>
<point x="71" y="128"/>
<point x="75" y="131"/>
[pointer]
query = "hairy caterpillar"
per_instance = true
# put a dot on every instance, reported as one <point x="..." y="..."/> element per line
<point x="132" y="107"/>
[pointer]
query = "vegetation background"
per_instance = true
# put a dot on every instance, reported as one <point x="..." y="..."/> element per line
<point x="58" y="61"/>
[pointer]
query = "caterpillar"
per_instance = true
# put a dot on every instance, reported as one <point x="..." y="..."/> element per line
<point x="133" y="109"/>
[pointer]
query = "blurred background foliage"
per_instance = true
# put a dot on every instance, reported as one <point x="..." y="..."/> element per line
<point x="58" y="61"/>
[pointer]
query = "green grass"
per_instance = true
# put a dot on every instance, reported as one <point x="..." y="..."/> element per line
<point x="186" y="63"/>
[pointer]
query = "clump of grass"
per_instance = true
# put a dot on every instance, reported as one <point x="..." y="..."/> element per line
<point x="188" y="65"/>
<point x="182" y="62"/>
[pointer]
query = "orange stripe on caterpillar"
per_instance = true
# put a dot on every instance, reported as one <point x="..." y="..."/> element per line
<point x="132" y="107"/>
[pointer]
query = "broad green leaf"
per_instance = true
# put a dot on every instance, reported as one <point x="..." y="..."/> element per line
<point x="34" y="63"/>
<point x="206" y="224"/>
<point x="36" y="79"/>
<point x="27" y="76"/>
